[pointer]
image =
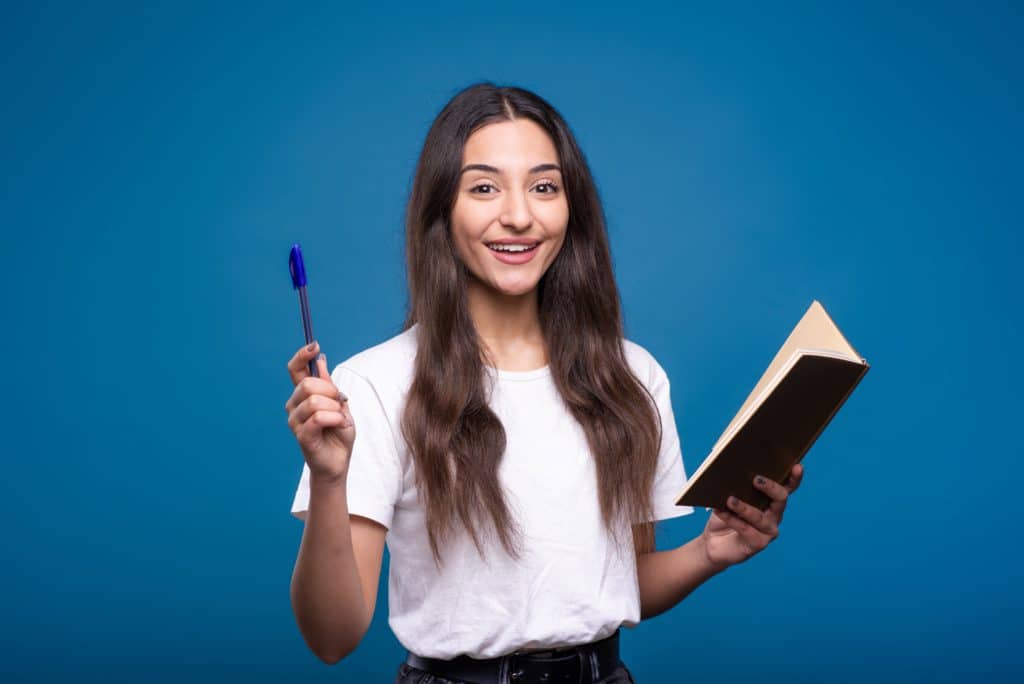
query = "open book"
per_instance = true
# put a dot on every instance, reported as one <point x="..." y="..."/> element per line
<point x="805" y="385"/>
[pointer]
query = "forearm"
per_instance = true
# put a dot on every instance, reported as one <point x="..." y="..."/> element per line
<point x="667" y="577"/>
<point x="326" y="592"/>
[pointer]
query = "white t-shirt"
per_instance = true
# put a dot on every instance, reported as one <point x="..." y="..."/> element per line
<point x="571" y="586"/>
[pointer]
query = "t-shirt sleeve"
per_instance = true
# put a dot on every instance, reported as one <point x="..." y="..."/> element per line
<point x="374" y="482"/>
<point x="671" y="474"/>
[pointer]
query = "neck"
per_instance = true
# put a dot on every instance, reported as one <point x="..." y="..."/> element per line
<point x="507" y="325"/>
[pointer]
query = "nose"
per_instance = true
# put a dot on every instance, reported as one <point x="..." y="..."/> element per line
<point x="516" y="211"/>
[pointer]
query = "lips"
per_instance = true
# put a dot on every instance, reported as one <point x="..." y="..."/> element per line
<point x="513" y="242"/>
<point x="517" y="255"/>
<point x="512" y="247"/>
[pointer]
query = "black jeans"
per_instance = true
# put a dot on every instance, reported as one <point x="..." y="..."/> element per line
<point x="410" y="675"/>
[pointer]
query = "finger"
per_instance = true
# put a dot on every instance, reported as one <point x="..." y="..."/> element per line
<point x="747" y="532"/>
<point x="775" y="491"/>
<point x="308" y="386"/>
<point x="311" y="405"/>
<point x="317" y="422"/>
<point x="763" y="521"/>
<point x="796" y="475"/>
<point x="720" y="512"/>
<point x="321" y="362"/>
<point x="298" y="365"/>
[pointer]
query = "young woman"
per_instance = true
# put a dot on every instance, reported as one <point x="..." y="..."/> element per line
<point x="513" y="448"/>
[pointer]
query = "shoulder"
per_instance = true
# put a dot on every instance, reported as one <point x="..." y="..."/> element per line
<point x="643" y="364"/>
<point x="386" y="366"/>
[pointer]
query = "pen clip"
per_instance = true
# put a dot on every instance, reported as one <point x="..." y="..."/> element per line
<point x="296" y="267"/>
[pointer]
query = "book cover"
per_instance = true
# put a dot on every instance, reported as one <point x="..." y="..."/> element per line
<point x="804" y="386"/>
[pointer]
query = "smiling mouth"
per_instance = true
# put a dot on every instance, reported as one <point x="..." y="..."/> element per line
<point x="512" y="249"/>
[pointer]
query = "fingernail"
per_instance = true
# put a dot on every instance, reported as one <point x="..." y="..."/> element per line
<point x="323" y="357"/>
<point x="311" y="346"/>
<point x="733" y="500"/>
<point x="759" y="480"/>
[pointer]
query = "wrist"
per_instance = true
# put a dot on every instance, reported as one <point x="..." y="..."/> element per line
<point x="328" y="481"/>
<point x="711" y="566"/>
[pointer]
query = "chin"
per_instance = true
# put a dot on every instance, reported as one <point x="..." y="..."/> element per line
<point x="517" y="289"/>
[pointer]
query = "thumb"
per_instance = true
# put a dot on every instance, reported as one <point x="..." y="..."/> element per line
<point x="321" y="366"/>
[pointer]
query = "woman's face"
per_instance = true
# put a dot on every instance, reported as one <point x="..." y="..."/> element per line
<point x="510" y="191"/>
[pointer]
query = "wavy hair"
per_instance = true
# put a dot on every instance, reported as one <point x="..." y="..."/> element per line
<point x="455" y="439"/>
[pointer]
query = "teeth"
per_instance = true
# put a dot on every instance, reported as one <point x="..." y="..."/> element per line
<point x="511" y="248"/>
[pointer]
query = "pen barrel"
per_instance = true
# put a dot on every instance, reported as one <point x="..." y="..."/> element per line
<point x="307" y="327"/>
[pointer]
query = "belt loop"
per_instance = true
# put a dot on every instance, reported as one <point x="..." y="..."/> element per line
<point x="503" y="667"/>
<point x="595" y="670"/>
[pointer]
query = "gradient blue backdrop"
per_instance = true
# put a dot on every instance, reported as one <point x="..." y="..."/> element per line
<point x="159" y="161"/>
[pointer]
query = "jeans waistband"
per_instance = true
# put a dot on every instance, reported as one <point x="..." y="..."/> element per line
<point x="575" y="665"/>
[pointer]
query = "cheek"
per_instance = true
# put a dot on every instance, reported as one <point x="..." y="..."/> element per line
<point x="554" y="216"/>
<point x="470" y="224"/>
<point x="463" y="248"/>
<point x="465" y="240"/>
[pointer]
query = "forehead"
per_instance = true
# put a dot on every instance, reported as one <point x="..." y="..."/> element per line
<point x="510" y="143"/>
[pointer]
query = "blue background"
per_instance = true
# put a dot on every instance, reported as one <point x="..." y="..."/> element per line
<point x="159" y="161"/>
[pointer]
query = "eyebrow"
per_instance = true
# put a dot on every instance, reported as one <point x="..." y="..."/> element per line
<point x="491" y="169"/>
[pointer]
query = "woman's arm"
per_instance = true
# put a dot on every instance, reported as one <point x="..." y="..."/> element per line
<point x="334" y="584"/>
<point x="729" y="537"/>
<point x="667" y="577"/>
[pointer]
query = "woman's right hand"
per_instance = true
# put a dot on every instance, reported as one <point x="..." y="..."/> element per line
<point x="318" y="415"/>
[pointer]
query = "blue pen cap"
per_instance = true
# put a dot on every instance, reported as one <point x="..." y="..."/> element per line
<point x="296" y="267"/>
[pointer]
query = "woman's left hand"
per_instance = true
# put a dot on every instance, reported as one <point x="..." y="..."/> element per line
<point x="732" y="537"/>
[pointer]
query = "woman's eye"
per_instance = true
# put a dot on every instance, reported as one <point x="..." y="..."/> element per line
<point x="488" y="189"/>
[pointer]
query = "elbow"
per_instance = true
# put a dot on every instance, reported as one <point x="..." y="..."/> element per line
<point x="344" y="648"/>
<point x="331" y="654"/>
<point x="330" y="635"/>
<point x="331" y="658"/>
<point x="330" y="644"/>
<point x="330" y="648"/>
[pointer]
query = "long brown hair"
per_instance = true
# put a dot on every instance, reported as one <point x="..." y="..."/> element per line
<point x="456" y="440"/>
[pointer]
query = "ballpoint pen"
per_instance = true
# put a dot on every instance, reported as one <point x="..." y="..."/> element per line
<point x="298" y="271"/>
